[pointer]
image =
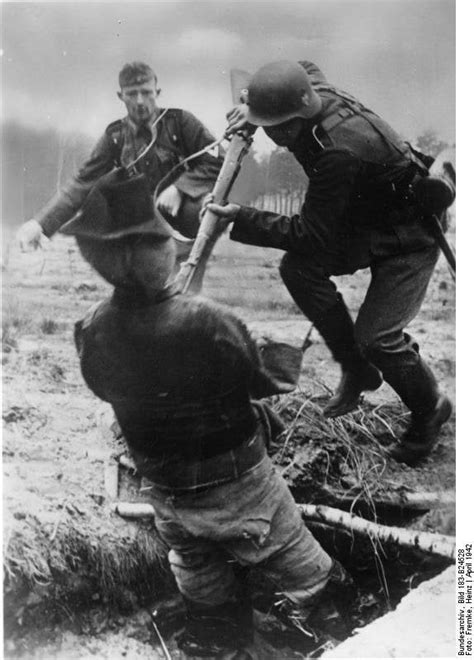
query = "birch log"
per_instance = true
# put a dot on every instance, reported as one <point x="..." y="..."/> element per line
<point x="438" y="544"/>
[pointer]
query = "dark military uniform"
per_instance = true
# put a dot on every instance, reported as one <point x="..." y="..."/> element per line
<point x="359" y="212"/>
<point x="178" y="135"/>
<point x="179" y="372"/>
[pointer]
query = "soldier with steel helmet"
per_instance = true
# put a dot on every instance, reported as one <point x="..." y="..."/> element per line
<point x="361" y="210"/>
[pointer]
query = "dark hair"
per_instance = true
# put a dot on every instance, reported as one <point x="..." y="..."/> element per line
<point x="135" y="73"/>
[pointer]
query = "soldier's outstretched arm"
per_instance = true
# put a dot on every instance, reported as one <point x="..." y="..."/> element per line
<point x="65" y="204"/>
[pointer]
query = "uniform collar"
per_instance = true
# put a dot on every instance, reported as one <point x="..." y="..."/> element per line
<point x="135" y="128"/>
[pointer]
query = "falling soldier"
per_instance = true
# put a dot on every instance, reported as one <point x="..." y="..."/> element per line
<point x="180" y="373"/>
<point x="149" y="140"/>
<point x="362" y="209"/>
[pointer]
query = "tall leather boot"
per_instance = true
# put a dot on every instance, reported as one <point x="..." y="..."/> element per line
<point x="358" y="374"/>
<point x="417" y="387"/>
<point x="323" y="618"/>
<point x="222" y="631"/>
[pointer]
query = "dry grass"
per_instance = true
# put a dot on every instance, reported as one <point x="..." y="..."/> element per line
<point x="343" y="454"/>
<point x="121" y="565"/>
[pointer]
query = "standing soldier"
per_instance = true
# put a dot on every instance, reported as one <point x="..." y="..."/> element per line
<point x="179" y="372"/>
<point x="360" y="210"/>
<point x="151" y="139"/>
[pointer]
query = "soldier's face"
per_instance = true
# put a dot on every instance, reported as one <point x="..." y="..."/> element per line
<point x="140" y="100"/>
<point x="286" y="134"/>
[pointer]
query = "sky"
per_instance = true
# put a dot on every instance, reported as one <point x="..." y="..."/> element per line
<point x="60" y="60"/>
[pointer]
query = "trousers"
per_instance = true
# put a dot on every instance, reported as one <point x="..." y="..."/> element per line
<point x="393" y="299"/>
<point x="252" y="521"/>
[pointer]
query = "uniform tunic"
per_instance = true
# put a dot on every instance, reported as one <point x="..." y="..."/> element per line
<point x="178" y="135"/>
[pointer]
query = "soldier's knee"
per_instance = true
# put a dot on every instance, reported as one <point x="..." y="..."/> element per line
<point x="382" y="348"/>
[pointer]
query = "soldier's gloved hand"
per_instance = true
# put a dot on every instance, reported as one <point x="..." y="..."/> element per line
<point x="30" y="236"/>
<point x="170" y="200"/>
<point x="237" y="118"/>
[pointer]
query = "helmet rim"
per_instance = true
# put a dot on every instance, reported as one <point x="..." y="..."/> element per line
<point x="280" y="91"/>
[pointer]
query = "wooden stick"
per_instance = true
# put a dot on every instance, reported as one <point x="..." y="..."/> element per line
<point x="438" y="544"/>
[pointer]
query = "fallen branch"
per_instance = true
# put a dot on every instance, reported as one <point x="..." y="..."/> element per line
<point x="438" y="544"/>
<point x="422" y="501"/>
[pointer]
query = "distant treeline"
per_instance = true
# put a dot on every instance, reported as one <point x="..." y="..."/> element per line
<point x="37" y="162"/>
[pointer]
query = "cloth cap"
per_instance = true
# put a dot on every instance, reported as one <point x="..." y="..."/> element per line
<point x="118" y="206"/>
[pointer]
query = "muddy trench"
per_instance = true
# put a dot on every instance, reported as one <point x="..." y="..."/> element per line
<point x="36" y="627"/>
<point x="102" y="588"/>
<point x="383" y="577"/>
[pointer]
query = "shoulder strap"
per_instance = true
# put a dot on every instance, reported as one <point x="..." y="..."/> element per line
<point x="353" y="107"/>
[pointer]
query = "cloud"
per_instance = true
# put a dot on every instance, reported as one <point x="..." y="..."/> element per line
<point x="61" y="59"/>
<point x="208" y="42"/>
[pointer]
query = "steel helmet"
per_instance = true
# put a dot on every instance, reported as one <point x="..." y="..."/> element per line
<point x="280" y="91"/>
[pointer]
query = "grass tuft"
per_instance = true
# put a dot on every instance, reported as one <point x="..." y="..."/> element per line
<point x="343" y="454"/>
<point x="48" y="326"/>
<point x="125" y="565"/>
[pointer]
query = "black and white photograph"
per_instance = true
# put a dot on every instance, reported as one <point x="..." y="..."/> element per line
<point x="229" y="331"/>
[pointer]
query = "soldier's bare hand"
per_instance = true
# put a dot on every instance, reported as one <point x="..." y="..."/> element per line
<point x="169" y="201"/>
<point x="237" y="118"/>
<point x="30" y="236"/>
<point x="226" y="213"/>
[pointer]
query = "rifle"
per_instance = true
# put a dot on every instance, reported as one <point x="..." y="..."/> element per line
<point x="211" y="226"/>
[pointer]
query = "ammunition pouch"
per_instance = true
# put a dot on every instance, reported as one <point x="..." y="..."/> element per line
<point x="434" y="194"/>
